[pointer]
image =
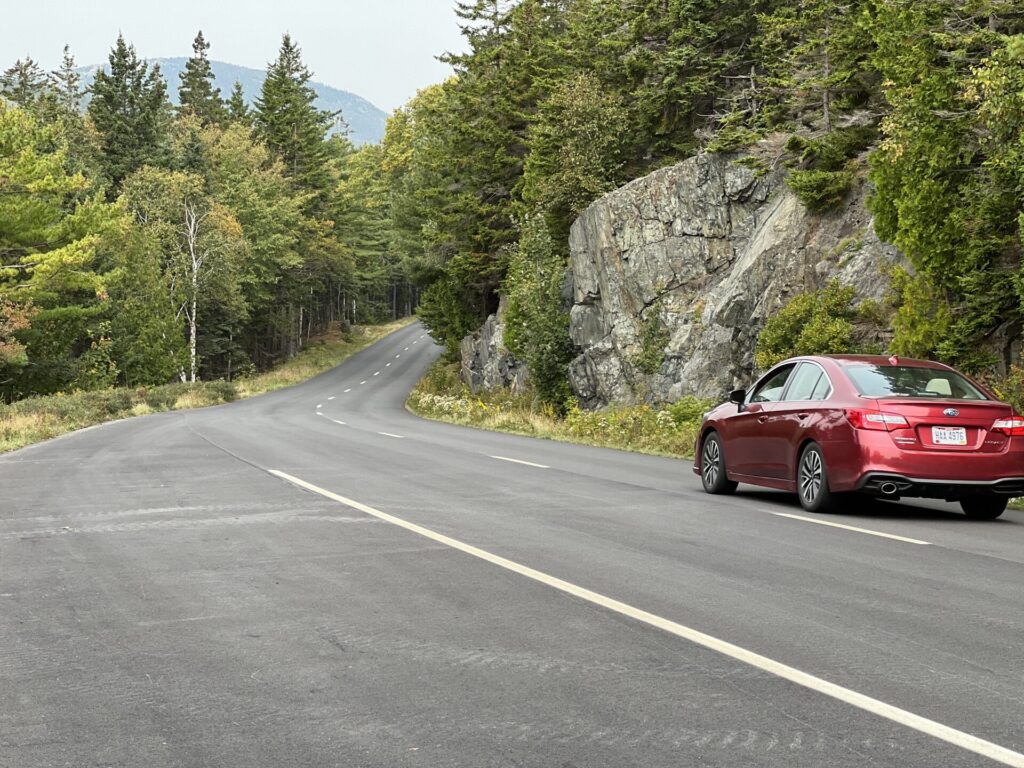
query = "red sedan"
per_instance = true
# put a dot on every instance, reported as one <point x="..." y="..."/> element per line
<point x="828" y="427"/>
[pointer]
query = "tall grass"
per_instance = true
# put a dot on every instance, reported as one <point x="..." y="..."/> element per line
<point x="667" y="431"/>
<point x="41" y="418"/>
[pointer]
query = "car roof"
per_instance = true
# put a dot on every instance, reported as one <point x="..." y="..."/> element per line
<point x="884" y="361"/>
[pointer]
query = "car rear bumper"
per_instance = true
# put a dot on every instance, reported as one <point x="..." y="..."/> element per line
<point x="872" y="458"/>
<point x="894" y="485"/>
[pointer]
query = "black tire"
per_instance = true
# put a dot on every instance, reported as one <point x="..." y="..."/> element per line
<point x="712" y="467"/>
<point x="984" y="507"/>
<point x="812" y="482"/>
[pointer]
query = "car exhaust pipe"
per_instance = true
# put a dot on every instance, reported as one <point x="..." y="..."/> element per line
<point x="888" y="489"/>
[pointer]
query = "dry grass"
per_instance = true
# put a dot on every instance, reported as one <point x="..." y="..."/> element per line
<point x="41" y="418"/>
<point x="668" y="431"/>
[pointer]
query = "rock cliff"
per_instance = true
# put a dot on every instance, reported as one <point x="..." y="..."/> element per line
<point x="486" y="363"/>
<point x="675" y="274"/>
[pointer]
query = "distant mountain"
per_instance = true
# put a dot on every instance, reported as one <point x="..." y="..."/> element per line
<point x="365" y="121"/>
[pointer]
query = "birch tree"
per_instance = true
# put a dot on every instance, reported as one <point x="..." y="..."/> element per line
<point x="202" y="245"/>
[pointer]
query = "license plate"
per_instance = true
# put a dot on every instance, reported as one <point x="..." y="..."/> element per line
<point x="949" y="435"/>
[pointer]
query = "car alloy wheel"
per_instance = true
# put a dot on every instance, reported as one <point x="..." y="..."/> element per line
<point x="712" y="467"/>
<point x="812" y="473"/>
<point x="710" y="462"/>
<point x="812" y="483"/>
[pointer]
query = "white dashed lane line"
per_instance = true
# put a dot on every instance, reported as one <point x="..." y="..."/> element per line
<point x="332" y="397"/>
<point x="363" y="381"/>
<point x="520" y="461"/>
<point x="377" y="373"/>
<point x="334" y="420"/>
<point x="347" y="391"/>
<point x="319" y="406"/>
<point x="398" y="356"/>
<point x="387" y="365"/>
<point x="388" y="434"/>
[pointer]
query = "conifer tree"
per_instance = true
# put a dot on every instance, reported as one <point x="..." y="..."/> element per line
<point x="287" y="120"/>
<point x="197" y="94"/>
<point x="66" y="84"/>
<point x="238" y="109"/>
<point x="131" y="112"/>
<point x="23" y="83"/>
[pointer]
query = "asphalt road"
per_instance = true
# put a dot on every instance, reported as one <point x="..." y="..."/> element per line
<point x="167" y="600"/>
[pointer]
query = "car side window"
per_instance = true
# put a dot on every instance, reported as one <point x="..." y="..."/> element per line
<point x="823" y="388"/>
<point x="809" y="382"/>
<point x="770" y="390"/>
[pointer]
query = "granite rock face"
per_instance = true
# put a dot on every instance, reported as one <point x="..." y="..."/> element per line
<point x="486" y="362"/>
<point x="693" y="259"/>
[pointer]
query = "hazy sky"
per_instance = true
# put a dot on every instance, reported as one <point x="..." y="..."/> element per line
<point x="382" y="50"/>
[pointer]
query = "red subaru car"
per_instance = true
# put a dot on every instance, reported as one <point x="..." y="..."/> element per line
<point x="828" y="427"/>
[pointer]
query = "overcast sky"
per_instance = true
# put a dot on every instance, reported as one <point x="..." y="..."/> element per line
<point x="382" y="50"/>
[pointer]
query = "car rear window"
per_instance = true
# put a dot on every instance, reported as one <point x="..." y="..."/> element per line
<point x="906" y="381"/>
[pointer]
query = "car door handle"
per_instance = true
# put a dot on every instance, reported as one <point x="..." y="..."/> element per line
<point x="762" y="419"/>
<point x="803" y="415"/>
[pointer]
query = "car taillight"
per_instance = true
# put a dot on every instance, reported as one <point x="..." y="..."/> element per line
<point x="1013" y="426"/>
<point x="885" y="422"/>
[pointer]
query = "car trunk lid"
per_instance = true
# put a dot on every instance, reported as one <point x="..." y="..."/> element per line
<point x="947" y="425"/>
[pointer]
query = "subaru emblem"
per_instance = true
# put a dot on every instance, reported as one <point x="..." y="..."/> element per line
<point x="951" y="412"/>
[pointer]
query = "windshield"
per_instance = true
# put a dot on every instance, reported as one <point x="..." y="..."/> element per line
<point x="906" y="381"/>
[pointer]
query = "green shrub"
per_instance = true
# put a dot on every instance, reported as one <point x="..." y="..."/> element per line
<point x="821" y="191"/>
<point x="536" y="324"/>
<point x="689" y="410"/>
<point x="1010" y="387"/>
<point x="828" y="173"/>
<point x="831" y="151"/>
<point x="654" y="337"/>
<point x="818" y="323"/>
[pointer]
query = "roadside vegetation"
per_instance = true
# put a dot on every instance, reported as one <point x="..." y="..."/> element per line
<point x="40" y="418"/>
<point x="667" y="431"/>
<point x="556" y="103"/>
<point x="143" y="243"/>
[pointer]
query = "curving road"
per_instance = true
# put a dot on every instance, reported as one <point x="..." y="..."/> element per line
<point x="317" y="578"/>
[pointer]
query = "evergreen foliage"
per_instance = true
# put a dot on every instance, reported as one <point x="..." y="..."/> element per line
<point x="23" y="84"/>
<point x="196" y="94"/>
<point x="130" y="111"/>
<point x="238" y="109"/>
<point x="536" y="322"/>
<point x="287" y="121"/>
<point x="67" y="85"/>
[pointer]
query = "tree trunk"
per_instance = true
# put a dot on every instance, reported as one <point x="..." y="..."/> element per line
<point x="826" y="94"/>
<point x="193" y="328"/>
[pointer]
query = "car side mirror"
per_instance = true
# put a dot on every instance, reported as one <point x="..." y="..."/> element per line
<point x="738" y="396"/>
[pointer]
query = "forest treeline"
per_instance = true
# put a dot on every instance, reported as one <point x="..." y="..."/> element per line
<point x="558" y="101"/>
<point x="142" y="243"/>
<point x="139" y="243"/>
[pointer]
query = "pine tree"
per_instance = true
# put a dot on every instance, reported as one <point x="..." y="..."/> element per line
<point x="287" y="120"/>
<point x="196" y="94"/>
<point x="130" y="110"/>
<point x="811" y="54"/>
<point x="66" y="84"/>
<point x="238" y="109"/>
<point x="23" y="83"/>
